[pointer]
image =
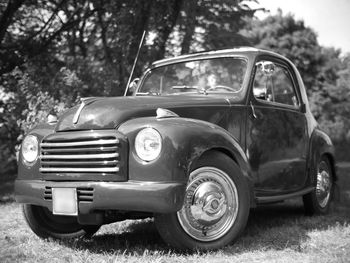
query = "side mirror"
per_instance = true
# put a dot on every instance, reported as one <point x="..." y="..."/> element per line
<point x="132" y="87"/>
<point x="260" y="93"/>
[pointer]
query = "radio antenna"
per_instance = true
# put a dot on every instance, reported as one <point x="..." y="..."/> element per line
<point x="135" y="61"/>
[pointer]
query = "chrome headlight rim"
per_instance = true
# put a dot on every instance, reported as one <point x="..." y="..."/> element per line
<point x="153" y="135"/>
<point x="35" y="142"/>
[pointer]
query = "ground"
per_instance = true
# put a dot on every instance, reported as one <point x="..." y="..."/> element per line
<point x="278" y="233"/>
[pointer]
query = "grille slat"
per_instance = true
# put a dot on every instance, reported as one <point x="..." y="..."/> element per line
<point x="85" y="194"/>
<point x="81" y="152"/>
<point x="73" y="163"/>
<point x="80" y="170"/>
<point x="81" y="143"/>
<point x="79" y="156"/>
<point x="48" y="194"/>
<point x="81" y="149"/>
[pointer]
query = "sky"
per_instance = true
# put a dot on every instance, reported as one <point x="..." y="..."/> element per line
<point x="329" y="18"/>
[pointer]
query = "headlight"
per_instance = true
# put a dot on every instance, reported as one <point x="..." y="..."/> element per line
<point x="148" y="144"/>
<point x="30" y="149"/>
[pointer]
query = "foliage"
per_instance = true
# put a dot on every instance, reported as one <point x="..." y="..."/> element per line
<point x="291" y="38"/>
<point x="325" y="72"/>
<point x="54" y="52"/>
<point x="23" y="104"/>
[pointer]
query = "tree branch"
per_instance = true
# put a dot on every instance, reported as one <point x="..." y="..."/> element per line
<point x="7" y="16"/>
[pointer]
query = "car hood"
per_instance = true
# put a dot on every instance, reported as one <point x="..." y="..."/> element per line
<point x="109" y="113"/>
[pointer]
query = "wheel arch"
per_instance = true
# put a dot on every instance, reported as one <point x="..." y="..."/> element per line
<point x="331" y="160"/>
<point x="235" y="159"/>
<point x="321" y="145"/>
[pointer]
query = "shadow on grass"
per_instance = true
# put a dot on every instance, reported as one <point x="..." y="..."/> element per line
<point x="277" y="227"/>
<point x="6" y="192"/>
<point x="285" y="225"/>
<point x="136" y="238"/>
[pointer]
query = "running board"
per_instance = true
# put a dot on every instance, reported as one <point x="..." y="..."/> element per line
<point x="277" y="198"/>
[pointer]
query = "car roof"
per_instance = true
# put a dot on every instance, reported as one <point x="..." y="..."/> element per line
<point x="238" y="51"/>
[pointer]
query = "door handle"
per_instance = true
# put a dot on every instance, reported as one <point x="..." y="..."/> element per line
<point x="253" y="110"/>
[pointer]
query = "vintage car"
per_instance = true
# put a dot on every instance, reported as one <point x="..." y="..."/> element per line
<point x="202" y="139"/>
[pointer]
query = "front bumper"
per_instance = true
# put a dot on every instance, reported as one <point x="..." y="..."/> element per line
<point x="156" y="197"/>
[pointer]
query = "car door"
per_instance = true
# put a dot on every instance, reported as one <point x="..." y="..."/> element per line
<point x="276" y="141"/>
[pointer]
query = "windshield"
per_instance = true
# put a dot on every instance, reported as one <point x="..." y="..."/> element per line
<point x="217" y="75"/>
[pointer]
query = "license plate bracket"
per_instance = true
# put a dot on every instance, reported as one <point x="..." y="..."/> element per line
<point x="64" y="201"/>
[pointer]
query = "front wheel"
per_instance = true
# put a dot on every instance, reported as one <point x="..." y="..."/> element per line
<point x="318" y="201"/>
<point x="44" y="224"/>
<point x="215" y="208"/>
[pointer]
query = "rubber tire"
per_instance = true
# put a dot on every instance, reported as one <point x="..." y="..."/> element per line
<point x="46" y="225"/>
<point x="311" y="205"/>
<point x="173" y="234"/>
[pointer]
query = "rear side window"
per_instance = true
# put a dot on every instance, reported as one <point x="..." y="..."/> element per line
<point x="273" y="83"/>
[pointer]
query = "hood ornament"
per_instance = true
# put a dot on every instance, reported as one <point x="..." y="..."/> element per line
<point x="165" y="113"/>
<point x="52" y="119"/>
<point x="84" y="102"/>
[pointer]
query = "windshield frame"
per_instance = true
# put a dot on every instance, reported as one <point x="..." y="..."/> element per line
<point x="241" y="92"/>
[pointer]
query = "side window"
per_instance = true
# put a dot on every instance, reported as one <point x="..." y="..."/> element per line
<point x="283" y="87"/>
<point x="273" y="83"/>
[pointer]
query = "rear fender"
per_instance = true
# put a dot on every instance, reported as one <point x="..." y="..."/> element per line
<point x="320" y="145"/>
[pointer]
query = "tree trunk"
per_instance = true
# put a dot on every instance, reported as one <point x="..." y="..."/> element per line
<point x="167" y="26"/>
<point x="189" y="25"/>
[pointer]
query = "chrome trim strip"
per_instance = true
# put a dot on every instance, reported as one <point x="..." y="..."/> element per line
<point x="97" y="148"/>
<point x="79" y="156"/>
<point x="61" y="144"/>
<point x="165" y="113"/>
<point x="64" y="163"/>
<point x="77" y="114"/>
<point x="82" y="105"/>
<point x="99" y="170"/>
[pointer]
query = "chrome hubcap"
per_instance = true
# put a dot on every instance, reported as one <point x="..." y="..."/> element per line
<point x="211" y="204"/>
<point x="324" y="184"/>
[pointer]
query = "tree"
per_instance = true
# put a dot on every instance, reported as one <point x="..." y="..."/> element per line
<point x="210" y="24"/>
<point x="291" y="38"/>
<point x="325" y="73"/>
<point x="54" y="52"/>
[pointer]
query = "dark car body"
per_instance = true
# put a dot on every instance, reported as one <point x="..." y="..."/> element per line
<point x="276" y="146"/>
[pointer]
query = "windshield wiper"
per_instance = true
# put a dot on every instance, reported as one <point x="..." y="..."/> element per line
<point x="183" y="87"/>
<point x="148" y="93"/>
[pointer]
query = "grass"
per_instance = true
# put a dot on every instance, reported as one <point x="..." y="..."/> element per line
<point x="278" y="233"/>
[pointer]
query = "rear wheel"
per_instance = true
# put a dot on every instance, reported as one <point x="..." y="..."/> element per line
<point x="318" y="201"/>
<point x="45" y="224"/>
<point x="215" y="208"/>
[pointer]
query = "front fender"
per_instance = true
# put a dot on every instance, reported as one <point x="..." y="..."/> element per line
<point x="184" y="141"/>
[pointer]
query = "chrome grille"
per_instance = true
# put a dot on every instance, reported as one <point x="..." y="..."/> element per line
<point x="88" y="152"/>
<point x="48" y="193"/>
<point x="84" y="194"/>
